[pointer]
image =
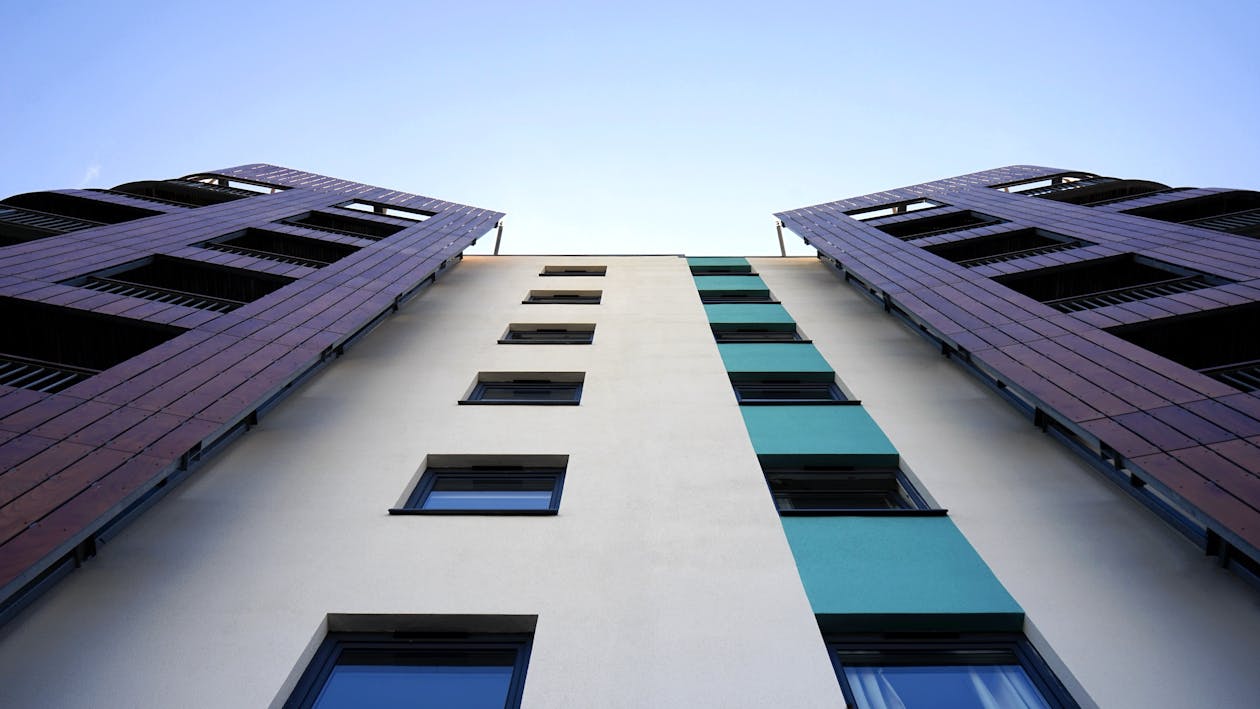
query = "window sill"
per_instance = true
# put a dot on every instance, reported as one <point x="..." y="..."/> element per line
<point x="802" y="402"/>
<point x="472" y="402"/>
<point x="404" y="511"/>
<point x="864" y="513"/>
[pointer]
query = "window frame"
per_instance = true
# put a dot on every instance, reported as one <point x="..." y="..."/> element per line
<point x="827" y="386"/>
<point x="591" y="271"/>
<point x="563" y="297"/>
<point x="315" y="677"/>
<point x="756" y="333"/>
<point x="914" y="502"/>
<point x="894" y="209"/>
<point x="718" y="297"/>
<point x="432" y="475"/>
<point x="904" y="646"/>
<point x="540" y="381"/>
<point x="583" y="334"/>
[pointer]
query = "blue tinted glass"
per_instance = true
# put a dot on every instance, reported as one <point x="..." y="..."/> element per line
<point x="415" y="686"/>
<point x="944" y="687"/>
<point x="487" y="500"/>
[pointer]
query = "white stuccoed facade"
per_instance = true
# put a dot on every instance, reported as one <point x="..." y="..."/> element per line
<point x="665" y="580"/>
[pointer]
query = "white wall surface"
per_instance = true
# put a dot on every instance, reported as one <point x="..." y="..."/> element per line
<point x="1135" y="611"/>
<point x="665" y="580"/>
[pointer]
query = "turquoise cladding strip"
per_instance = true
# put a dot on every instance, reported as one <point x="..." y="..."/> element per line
<point x="897" y="573"/>
<point x="719" y="262"/>
<point x="748" y="314"/>
<point x="840" y="435"/>
<point x="730" y="284"/>
<point x="761" y="357"/>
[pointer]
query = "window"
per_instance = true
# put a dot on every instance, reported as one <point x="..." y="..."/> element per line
<point x="787" y="391"/>
<point x="561" y="297"/>
<point x="340" y="224"/>
<point x="486" y="489"/>
<point x="1039" y="183"/>
<point x="951" y="671"/>
<point x="236" y="185"/>
<point x="712" y="297"/>
<point x="194" y="284"/>
<point x="36" y="215"/>
<point x="1008" y="246"/>
<point x="828" y="490"/>
<point x="1235" y="211"/>
<point x="284" y="248"/>
<point x="49" y="348"/>
<point x="757" y="333"/>
<point x="1220" y="343"/>
<point x="889" y="210"/>
<point x="574" y="271"/>
<point x="549" y="334"/>
<point x="385" y="670"/>
<point x="385" y="210"/>
<point x="189" y="194"/>
<point x="939" y="224"/>
<point x="535" y="388"/>
<point x="1101" y="282"/>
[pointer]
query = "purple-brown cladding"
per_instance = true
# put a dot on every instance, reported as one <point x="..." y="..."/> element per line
<point x="1057" y="344"/>
<point x="72" y="460"/>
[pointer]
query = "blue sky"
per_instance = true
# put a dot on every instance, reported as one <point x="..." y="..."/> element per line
<point x="629" y="128"/>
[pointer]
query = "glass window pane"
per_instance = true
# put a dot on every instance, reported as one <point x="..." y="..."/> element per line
<point x="420" y="686"/>
<point x="944" y="687"/>
<point x="488" y="500"/>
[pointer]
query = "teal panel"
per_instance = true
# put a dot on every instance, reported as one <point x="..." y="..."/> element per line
<point x="748" y="313"/>
<point x="758" y="357"/>
<point x="724" y="263"/>
<point x="843" y="435"/>
<point x="743" y="284"/>
<point x="897" y="573"/>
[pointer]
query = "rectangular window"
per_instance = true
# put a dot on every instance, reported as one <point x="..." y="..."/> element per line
<point x="713" y="297"/>
<point x="1039" y="183"/>
<point x="757" y="333"/>
<point x="341" y="224"/>
<point x="177" y="281"/>
<point x="960" y="671"/>
<point x="787" y="391"/>
<point x="1009" y="246"/>
<point x="829" y="490"/>
<point x="238" y="185"/>
<point x="503" y="489"/>
<point x="549" y="334"/>
<point x="922" y="227"/>
<point x="562" y="297"/>
<point x="533" y="388"/>
<point x="284" y="248"/>
<point x="1097" y="283"/>
<point x="889" y="210"/>
<point x="385" y="210"/>
<point x="574" y="271"/>
<point x="414" y="669"/>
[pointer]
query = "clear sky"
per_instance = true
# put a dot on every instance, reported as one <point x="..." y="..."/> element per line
<point x="644" y="127"/>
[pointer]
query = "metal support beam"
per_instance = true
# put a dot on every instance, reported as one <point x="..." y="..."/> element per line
<point x="498" y="237"/>
<point x="778" y="226"/>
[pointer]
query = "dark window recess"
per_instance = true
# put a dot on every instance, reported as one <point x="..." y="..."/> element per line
<point x="353" y="670"/>
<point x="742" y="269"/>
<point x="1050" y="183"/>
<point x="786" y="391"/>
<point x="342" y="224"/>
<point x="757" y="333"/>
<point x="1236" y="212"/>
<point x="1108" y="281"/>
<point x="711" y="297"/>
<point x="387" y="210"/>
<point x="550" y="334"/>
<point x="819" y="490"/>
<point x="182" y="282"/>
<point x="285" y="248"/>
<point x="889" y="210"/>
<point x="556" y="388"/>
<point x="244" y="188"/>
<point x="1004" y="247"/>
<point x="48" y="348"/>
<point x="1220" y="343"/>
<point x="572" y="297"/>
<point x="944" y="670"/>
<point x="27" y="217"/>
<point x="486" y="490"/>
<point x="1100" y="189"/>
<point x="574" y="271"/>
<point x="940" y="224"/>
<point x="190" y="194"/>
